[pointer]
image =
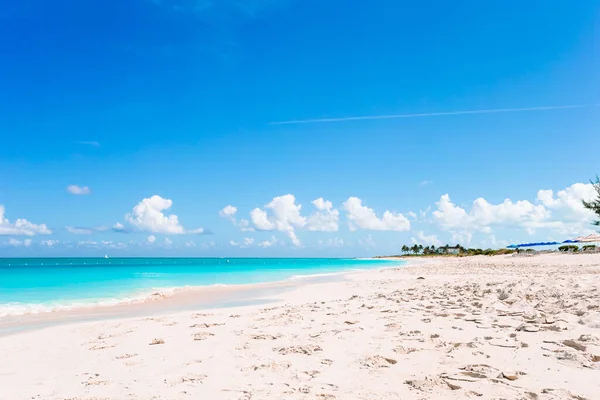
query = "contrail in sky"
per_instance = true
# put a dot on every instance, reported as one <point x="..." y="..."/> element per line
<point x="435" y="114"/>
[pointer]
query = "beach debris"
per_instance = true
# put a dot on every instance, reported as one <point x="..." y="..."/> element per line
<point x="575" y="345"/>
<point x="307" y="349"/>
<point x="420" y="277"/>
<point x="504" y="343"/>
<point x="306" y="375"/>
<point x="265" y="337"/>
<point x="377" y="362"/>
<point x="429" y="384"/>
<point x="205" y="325"/>
<point x="528" y="328"/>
<point x="157" y="341"/>
<point x="351" y="322"/>
<point x="511" y="376"/>
<point x="125" y="356"/>
<point x="202" y="335"/>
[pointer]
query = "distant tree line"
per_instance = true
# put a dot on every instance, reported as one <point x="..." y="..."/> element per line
<point x="418" y="249"/>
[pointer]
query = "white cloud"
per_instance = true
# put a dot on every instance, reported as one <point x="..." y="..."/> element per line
<point x="21" y="227"/>
<point x="148" y="216"/>
<point x="426" y="240"/>
<point x="49" y="243"/>
<point x="88" y="243"/>
<point x="568" y="202"/>
<point x="229" y="212"/>
<point x="119" y="227"/>
<point x="367" y="242"/>
<point x="325" y="219"/>
<point x="281" y="214"/>
<point x="332" y="242"/>
<point x="425" y="183"/>
<point x="190" y="243"/>
<point x="563" y="213"/>
<point x="247" y="242"/>
<point x="269" y="243"/>
<point x="207" y="245"/>
<point x="151" y="239"/>
<point x="483" y="215"/>
<point x="79" y="231"/>
<point x="363" y="217"/>
<point x="244" y="225"/>
<point x="18" y="243"/>
<point x="78" y="190"/>
<point x="168" y="242"/>
<point x="412" y="215"/>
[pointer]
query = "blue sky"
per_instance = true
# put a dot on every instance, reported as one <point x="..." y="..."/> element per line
<point x="177" y="99"/>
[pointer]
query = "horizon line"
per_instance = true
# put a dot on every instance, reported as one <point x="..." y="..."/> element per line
<point x="434" y="114"/>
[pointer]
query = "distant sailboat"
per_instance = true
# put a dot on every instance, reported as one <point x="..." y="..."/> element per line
<point x="105" y="256"/>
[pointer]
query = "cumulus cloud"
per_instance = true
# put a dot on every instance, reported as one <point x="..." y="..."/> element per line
<point x="151" y="239"/>
<point x="562" y="212"/>
<point x="228" y="211"/>
<point x="148" y="215"/>
<point x="190" y="243"/>
<point x="247" y="242"/>
<point x="78" y="190"/>
<point x="49" y="243"/>
<point x="281" y="214"/>
<point x="426" y="240"/>
<point x="269" y="243"/>
<point x="363" y="217"/>
<point x="21" y="227"/>
<point x="168" y="242"/>
<point x="484" y="215"/>
<point x="568" y="203"/>
<point x="119" y="228"/>
<point x="325" y="219"/>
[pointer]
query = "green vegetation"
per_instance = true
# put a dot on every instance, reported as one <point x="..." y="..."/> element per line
<point x="594" y="205"/>
<point x="589" y="247"/>
<point x="447" y="250"/>
<point x="567" y="248"/>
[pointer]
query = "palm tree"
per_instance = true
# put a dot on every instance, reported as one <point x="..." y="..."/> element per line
<point x="405" y="249"/>
<point x="415" y="249"/>
<point x="433" y="250"/>
<point x="594" y="205"/>
<point x="420" y="248"/>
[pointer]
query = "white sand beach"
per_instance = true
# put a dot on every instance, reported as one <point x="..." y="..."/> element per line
<point x="499" y="327"/>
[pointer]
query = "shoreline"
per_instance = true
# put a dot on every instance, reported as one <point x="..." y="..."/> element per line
<point x="165" y="301"/>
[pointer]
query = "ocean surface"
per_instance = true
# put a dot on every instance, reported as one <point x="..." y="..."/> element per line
<point x="34" y="285"/>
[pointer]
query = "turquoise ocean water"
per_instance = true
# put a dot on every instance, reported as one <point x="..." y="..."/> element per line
<point x="36" y="285"/>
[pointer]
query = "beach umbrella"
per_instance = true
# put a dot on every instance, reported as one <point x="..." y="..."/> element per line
<point x="594" y="237"/>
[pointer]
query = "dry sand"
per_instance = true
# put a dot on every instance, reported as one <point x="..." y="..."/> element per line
<point x="481" y="327"/>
